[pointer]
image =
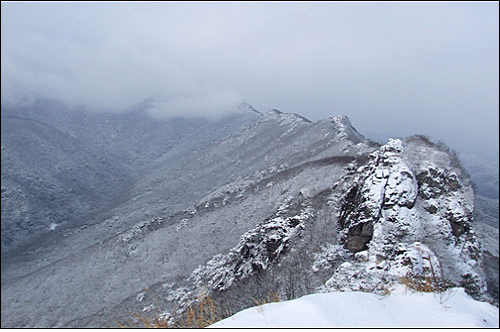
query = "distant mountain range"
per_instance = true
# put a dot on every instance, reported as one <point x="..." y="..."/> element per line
<point x="105" y="214"/>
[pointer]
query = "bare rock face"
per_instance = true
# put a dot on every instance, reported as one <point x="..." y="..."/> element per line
<point x="409" y="212"/>
<point x="383" y="188"/>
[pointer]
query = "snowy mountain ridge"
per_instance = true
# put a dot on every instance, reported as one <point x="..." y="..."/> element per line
<point x="381" y="215"/>
<point x="402" y="218"/>
<point x="236" y="208"/>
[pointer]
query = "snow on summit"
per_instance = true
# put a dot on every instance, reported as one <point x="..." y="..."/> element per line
<point x="402" y="308"/>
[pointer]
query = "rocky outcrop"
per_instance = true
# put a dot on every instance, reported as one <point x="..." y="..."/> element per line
<point x="403" y="215"/>
<point x="257" y="250"/>
<point x="384" y="189"/>
<point x="408" y="213"/>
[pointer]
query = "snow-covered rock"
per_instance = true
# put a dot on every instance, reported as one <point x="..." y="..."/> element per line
<point x="257" y="250"/>
<point x="412" y="215"/>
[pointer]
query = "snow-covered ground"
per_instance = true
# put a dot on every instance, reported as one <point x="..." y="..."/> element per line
<point x="402" y="308"/>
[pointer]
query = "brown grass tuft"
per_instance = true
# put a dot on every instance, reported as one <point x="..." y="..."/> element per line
<point x="420" y="284"/>
<point x="201" y="312"/>
<point x="269" y="298"/>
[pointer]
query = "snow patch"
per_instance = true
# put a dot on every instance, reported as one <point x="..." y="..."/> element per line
<point x="359" y="309"/>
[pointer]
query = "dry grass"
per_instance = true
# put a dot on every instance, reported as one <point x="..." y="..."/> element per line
<point x="386" y="291"/>
<point x="146" y="322"/>
<point x="201" y="312"/>
<point x="269" y="298"/>
<point x="420" y="284"/>
<point x="428" y="284"/>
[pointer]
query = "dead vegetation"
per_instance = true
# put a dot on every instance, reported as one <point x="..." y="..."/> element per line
<point x="269" y="298"/>
<point x="201" y="312"/>
<point x="420" y="284"/>
<point x="429" y="284"/>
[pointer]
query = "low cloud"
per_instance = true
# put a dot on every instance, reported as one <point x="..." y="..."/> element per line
<point x="205" y="103"/>
<point x="395" y="69"/>
<point x="115" y="77"/>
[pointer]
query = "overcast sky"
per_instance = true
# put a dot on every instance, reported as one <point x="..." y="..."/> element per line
<point x="394" y="68"/>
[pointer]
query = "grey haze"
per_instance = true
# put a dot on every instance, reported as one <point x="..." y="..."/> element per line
<point x="395" y="68"/>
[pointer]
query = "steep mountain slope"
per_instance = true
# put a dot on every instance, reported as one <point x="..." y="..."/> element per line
<point x="49" y="178"/>
<point x="405" y="212"/>
<point x="133" y="138"/>
<point x="486" y="227"/>
<point x="61" y="168"/>
<point x="143" y="232"/>
<point x="241" y="206"/>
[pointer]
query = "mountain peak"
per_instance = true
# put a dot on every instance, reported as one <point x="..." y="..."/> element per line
<point x="277" y="113"/>
<point x="341" y="119"/>
<point x="246" y="107"/>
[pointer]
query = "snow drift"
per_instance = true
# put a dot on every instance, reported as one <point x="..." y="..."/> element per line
<point x="402" y="308"/>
